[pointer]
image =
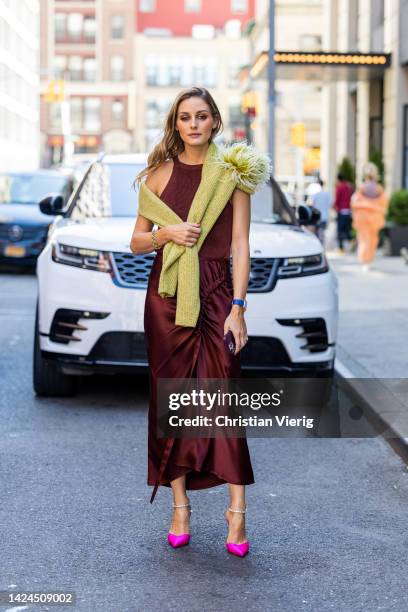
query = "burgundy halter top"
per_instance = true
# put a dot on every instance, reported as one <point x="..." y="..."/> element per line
<point x="178" y="195"/>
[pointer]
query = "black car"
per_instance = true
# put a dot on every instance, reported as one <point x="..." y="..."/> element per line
<point x="23" y="228"/>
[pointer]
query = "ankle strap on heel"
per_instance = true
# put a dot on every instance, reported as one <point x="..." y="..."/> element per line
<point x="182" y="505"/>
<point x="237" y="510"/>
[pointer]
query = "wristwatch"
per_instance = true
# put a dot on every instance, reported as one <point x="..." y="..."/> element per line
<point x="240" y="302"/>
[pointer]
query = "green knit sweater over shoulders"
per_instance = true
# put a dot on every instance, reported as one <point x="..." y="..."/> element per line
<point x="225" y="168"/>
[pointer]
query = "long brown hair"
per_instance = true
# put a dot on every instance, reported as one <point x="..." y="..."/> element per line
<point x="172" y="144"/>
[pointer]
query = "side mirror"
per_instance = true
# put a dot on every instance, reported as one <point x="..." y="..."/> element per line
<point x="308" y="215"/>
<point x="52" y="204"/>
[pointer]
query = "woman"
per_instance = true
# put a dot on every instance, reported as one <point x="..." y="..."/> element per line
<point x="369" y="205"/>
<point x="175" y="182"/>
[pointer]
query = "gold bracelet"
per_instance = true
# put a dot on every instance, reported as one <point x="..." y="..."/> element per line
<point x="154" y="240"/>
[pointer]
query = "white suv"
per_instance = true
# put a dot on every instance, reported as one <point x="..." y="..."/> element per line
<point x="91" y="287"/>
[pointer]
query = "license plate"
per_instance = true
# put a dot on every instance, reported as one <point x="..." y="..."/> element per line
<point x="14" y="251"/>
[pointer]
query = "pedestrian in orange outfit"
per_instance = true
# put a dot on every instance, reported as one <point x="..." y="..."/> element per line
<point x="369" y="205"/>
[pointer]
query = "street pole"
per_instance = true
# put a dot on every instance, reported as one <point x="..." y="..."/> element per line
<point x="271" y="84"/>
<point x="248" y="118"/>
<point x="248" y="135"/>
<point x="68" y="146"/>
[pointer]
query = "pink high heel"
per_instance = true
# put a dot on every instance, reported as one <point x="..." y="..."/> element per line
<point x="184" y="538"/>
<point x="240" y="550"/>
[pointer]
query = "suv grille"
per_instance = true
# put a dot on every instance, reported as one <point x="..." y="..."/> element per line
<point x="263" y="275"/>
<point x="133" y="271"/>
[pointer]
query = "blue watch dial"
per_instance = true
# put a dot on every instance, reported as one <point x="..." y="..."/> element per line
<point x="239" y="302"/>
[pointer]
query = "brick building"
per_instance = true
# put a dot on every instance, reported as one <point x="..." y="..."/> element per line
<point x="89" y="45"/>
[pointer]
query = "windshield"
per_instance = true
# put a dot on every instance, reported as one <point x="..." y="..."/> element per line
<point x="108" y="191"/>
<point x="269" y="205"/>
<point x="30" y="188"/>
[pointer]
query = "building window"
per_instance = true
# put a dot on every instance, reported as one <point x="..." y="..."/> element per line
<point x="157" y="70"/>
<point x="90" y="66"/>
<point x="90" y="29"/>
<point x="92" y="114"/>
<point x="239" y="6"/>
<point x="163" y="76"/>
<point x="234" y="68"/>
<point x="156" y="111"/>
<point x="192" y="6"/>
<point x="118" y="26"/>
<point x="118" y="113"/>
<point x="211" y="75"/>
<point x="54" y="116"/>
<point x="150" y="114"/>
<point x="232" y="28"/>
<point x="150" y="71"/>
<point x="175" y="72"/>
<point x="75" y="24"/>
<point x="199" y="72"/>
<point x="60" y="66"/>
<point x="117" y="68"/>
<point x="157" y="32"/>
<point x="181" y="71"/>
<point x="60" y="26"/>
<point x="75" y="67"/>
<point x="147" y="6"/>
<point x="76" y="113"/>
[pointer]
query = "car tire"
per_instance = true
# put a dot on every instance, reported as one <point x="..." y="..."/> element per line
<point x="48" y="381"/>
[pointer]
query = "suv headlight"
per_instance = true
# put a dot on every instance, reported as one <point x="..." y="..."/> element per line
<point x="303" y="266"/>
<point x="89" y="259"/>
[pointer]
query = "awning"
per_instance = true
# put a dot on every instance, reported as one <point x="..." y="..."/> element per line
<point x="322" y="66"/>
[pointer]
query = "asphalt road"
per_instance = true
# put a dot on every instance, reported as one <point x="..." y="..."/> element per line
<point x="326" y="517"/>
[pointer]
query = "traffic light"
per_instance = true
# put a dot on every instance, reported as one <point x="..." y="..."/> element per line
<point x="55" y="91"/>
<point x="250" y="103"/>
<point x="298" y="135"/>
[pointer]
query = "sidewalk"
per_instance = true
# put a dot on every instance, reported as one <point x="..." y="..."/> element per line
<point x="373" y="333"/>
<point x="373" y="325"/>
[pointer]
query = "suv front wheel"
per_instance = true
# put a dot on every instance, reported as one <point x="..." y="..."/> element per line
<point x="48" y="381"/>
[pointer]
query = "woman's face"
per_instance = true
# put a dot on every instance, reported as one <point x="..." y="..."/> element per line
<point x="194" y="121"/>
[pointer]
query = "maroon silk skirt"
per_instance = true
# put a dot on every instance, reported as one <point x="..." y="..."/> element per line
<point x="175" y="351"/>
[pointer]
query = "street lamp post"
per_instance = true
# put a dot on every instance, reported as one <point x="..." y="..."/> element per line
<point x="271" y="83"/>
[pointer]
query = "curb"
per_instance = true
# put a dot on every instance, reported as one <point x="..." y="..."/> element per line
<point x="390" y="417"/>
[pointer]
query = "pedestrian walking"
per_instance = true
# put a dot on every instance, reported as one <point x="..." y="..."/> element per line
<point x="369" y="205"/>
<point x="344" y="191"/>
<point x="198" y="193"/>
<point x="322" y="200"/>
